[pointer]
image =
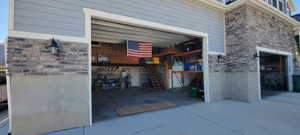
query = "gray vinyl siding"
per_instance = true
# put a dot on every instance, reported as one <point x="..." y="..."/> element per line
<point x="66" y="17"/>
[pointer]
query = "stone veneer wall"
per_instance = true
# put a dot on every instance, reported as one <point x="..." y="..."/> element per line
<point x="239" y="50"/>
<point x="247" y="28"/>
<point x="235" y="75"/>
<point x="33" y="57"/>
<point x="217" y="63"/>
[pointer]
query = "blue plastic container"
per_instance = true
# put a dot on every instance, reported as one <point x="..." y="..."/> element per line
<point x="187" y="66"/>
<point x="199" y="67"/>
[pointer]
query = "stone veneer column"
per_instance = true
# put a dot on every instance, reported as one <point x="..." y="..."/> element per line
<point x="247" y="28"/>
<point x="217" y="78"/>
<point x="48" y="92"/>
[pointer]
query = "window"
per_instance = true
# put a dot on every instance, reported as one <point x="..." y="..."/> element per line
<point x="280" y="5"/>
<point x="274" y="3"/>
<point x="270" y="2"/>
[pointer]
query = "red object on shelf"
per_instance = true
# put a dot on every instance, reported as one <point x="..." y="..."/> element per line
<point x="187" y="53"/>
<point x="195" y="71"/>
<point x="164" y="54"/>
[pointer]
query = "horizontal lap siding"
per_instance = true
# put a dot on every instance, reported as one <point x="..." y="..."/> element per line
<point x="66" y="17"/>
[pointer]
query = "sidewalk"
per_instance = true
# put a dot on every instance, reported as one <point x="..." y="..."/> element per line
<point x="277" y="115"/>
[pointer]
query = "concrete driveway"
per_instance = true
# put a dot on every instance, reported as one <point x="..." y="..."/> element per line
<point x="275" y="115"/>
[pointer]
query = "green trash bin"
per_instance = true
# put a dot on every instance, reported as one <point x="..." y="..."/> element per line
<point x="296" y="83"/>
<point x="194" y="93"/>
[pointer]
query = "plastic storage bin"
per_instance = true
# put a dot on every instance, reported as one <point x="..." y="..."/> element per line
<point x="187" y="66"/>
<point x="296" y="81"/>
<point x="194" y="93"/>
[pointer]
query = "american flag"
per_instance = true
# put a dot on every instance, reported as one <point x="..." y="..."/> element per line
<point x="139" y="49"/>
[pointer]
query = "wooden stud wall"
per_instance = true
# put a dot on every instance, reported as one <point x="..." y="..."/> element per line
<point x="116" y="53"/>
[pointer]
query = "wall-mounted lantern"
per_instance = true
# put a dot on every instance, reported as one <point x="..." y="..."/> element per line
<point x="219" y="58"/>
<point x="255" y="55"/>
<point x="54" y="46"/>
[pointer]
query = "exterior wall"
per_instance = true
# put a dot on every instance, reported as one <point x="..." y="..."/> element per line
<point x="66" y="17"/>
<point x="51" y="92"/>
<point x="246" y="29"/>
<point x="235" y="75"/>
<point x="218" y="78"/>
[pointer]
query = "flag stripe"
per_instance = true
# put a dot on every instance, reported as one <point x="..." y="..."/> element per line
<point x="139" y="50"/>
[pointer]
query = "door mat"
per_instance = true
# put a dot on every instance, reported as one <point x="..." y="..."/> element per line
<point x="145" y="108"/>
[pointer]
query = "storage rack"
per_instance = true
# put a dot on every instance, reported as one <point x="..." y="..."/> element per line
<point x="184" y="55"/>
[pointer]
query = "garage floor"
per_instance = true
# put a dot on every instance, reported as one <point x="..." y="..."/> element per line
<point x="275" y="115"/>
<point x="272" y="93"/>
<point x="105" y="102"/>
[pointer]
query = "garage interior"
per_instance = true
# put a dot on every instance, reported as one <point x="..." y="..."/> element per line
<point x="273" y="74"/>
<point x="167" y="73"/>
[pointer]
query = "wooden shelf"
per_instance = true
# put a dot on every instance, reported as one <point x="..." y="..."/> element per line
<point x="113" y="64"/>
<point x="164" y="54"/>
<point x="187" y="53"/>
<point x="188" y="72"/>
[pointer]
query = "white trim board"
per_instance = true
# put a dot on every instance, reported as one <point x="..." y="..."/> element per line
<point x="216" y="53"/>
<point x="33" y="35"/>
<point x="90" y="13"/>
<point x="11" y="6"/>
<point x="273" y="51"/>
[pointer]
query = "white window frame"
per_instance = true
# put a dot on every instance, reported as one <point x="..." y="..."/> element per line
<point x="283" y="3"/>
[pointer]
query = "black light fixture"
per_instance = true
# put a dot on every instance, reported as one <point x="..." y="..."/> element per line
<point x="295" y="60"/>
<point x="255" y="55"/>
<point x="54" y="46"/>
<point x="219" y="58"/>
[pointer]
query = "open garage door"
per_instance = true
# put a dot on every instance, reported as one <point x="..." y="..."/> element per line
<point x="125" y="84"/>
<point x="273" y="74"/>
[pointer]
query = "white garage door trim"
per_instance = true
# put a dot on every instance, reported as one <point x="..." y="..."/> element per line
<point x="89" y="13"/>
<point x="290" y="66"/>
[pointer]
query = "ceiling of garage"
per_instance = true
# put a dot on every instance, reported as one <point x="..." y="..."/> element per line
<point x="108" y="32"/>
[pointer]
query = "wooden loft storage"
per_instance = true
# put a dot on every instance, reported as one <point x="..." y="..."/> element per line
<point x="116" y="54"/>
<point x="188" y="53"/>
<point x="188" y="72"/>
